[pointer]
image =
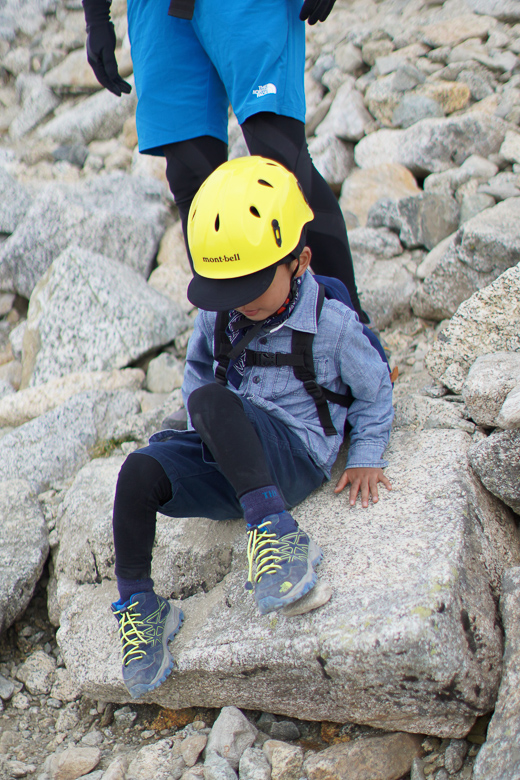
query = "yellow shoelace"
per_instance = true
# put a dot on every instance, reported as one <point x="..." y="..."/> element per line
<point x="262" y="547"/>
<point x="131" y="637"/>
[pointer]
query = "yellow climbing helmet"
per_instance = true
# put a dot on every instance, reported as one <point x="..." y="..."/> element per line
<point x="246" y="218"/>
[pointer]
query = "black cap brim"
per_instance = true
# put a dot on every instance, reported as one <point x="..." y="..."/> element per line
<point x="226" y="294"/>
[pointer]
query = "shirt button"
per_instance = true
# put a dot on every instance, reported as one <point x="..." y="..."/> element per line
<point x="263" y="340"/>
<point x="256" y="379"/>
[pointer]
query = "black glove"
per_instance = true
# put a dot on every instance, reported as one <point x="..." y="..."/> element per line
<point x="316" y="10"/>
<point x="101" y="46"/>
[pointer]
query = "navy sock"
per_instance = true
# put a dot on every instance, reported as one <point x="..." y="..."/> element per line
<point x="127" y="588"/>
<point x="259" y="503"/>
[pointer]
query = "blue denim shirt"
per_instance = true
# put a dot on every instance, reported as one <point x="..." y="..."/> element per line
<point x="342" y="356"/>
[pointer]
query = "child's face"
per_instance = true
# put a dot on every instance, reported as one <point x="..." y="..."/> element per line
<point x="276" y="294"/>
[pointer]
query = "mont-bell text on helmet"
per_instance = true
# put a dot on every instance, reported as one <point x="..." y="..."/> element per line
<point x="222" y="259"/>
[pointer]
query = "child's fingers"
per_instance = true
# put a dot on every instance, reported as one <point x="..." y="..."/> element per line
<point x="365" y="491"/>
<point x="373" y="489"/>
<point x="386" y="482"/>
<point x="342" y="483"/>
<point x="354" y="490"/>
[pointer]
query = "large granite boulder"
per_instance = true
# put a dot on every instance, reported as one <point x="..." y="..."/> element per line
<point x="499" y="757"/>
<point x="409" y="641"/>
<point x="92" y="313"/>
<point x="489" y="321"/>
<point x="52" y="448"/>
<point x="484" y="247"/>
<point x="490" y="380"/>
<point x="117" y="215"/>
<point x="433" y="145"/>
<point x="496" y="460"/>
<point x="23" y="549"/>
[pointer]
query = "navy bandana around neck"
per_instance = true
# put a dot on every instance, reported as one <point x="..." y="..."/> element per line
<point x="239" y="325"/>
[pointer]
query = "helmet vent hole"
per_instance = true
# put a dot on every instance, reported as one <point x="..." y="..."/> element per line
<point x="217" y="223"/>
<point x="254" y="211"/>
<point x="265" y="183"/>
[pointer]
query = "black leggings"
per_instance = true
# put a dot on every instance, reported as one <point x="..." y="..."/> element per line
<point x="143" y="487"/>
<point x="280" y="138"/>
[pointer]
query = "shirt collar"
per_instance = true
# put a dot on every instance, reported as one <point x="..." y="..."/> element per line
<point x="303" y="316"/>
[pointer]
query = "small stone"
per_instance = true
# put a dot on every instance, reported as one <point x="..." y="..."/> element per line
<point x="7" y="688"/>
<point x="93" y="738"/>
<point x="286" y="760"/>
<point x="254" y="765"/>
<point x="231" y="734"/>
<point x="192" y="747"/>
<point x="217" y="768"/>
<point x="317" y="597"/>
<point x="37" y="673"/>
<point x="72" y="763"/>
<point x="455" y="754"/>
<point x="286" y="730"/>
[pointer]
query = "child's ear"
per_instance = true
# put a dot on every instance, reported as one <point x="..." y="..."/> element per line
<point x="304" y="260"/>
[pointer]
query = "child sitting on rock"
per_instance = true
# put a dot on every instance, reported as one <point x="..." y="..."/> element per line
<point x="266" y="372"/>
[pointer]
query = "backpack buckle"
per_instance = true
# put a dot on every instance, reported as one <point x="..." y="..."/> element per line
<point x="313" y="388"/>
<point x="266" y="359"/>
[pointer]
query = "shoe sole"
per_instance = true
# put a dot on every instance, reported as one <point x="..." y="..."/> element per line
<point x="171" y="628"/>
<point x="307" y="582"/>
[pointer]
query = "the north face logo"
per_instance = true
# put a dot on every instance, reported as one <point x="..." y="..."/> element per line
<point x="265" y="89"/>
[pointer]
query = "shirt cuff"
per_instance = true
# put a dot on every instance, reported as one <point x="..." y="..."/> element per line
<point x="366" y="456"/>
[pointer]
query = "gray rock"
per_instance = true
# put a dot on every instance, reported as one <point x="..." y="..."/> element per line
<point x="388" y="756"/>
<point x="418" y="412"/>
<point x="471" y="205"/>
<point x="14" y="202"/>
<point x="192" y="747"/>
<point x="55" y="446"/>
<point x="433" y="145"/>
<point x="72" y="762"/>
<point x="421" y="220"/>
<point x="488" y="383"/>
<point x="254" y="765"/>
<point x="218" y="768"/>
<point x="384" y="95"/>
<point x="502" y="186"/>
<point x="96" y="118"/>
<point x="284" y="730"/>
<point x="509" y="415"/>
<point x="7" y="688"/>
<point x="412" y="108"/>
<point x="120" y="216"/>
<point x="483" y="248"/>
<point x="286" y="760"/>
<point x="347" y="117"/>
<point x="455" y="754"/>
<point x="500" y="755"/>
<point x="37" y="99"/>
<point x="505" y="10"/>
<point x="37" y="673"/>
<point x="385" y="286"/>
<point x="489" y="321"/>
<point x="158" y="761"/>
<point x="231" y="734"/>
<point x="375" y="241"/>
<point x="333" y="159"/>
<point x="165" y="373"/>
<point x="496" y="460"/>
<point x="24" y="547"/>
<point x="91" y="313"/>
<point x="411" y="613"/>
<point x="32" y="402"/>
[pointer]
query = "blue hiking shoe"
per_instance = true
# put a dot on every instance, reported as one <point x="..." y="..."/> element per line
<point x="284" y="563"/>
<point x="147" y="623"/>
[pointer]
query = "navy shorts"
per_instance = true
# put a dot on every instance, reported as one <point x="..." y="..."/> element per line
<point x="199" y="489"/>
<point x="247" y="53"/>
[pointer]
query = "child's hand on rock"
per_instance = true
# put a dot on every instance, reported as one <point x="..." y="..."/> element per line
<point x="364" y="479"/>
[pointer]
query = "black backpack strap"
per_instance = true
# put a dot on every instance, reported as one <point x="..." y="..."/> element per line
<point x="302" y="346"/>
<point x="223" y="352"/>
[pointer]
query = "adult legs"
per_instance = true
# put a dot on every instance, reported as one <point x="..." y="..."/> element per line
<point x="188" y="164"/>
<point x="282" y="138"/>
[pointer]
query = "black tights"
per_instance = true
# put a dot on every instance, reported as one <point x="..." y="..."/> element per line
<point x="280" y="138"/>
<point x="143" y="487"/>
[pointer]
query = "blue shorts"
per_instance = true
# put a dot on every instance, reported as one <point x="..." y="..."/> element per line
<point x="199" y="489"/>
<point x="247" y="53"/>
